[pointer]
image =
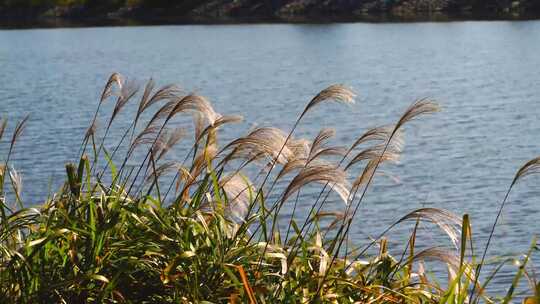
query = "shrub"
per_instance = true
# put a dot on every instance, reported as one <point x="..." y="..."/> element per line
<point x="211" y="227"/>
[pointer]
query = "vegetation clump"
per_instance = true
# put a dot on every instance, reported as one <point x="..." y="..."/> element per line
<point x="211" y="227"/>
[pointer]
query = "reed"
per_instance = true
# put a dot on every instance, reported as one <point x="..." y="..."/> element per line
<point x="210" y="228"/>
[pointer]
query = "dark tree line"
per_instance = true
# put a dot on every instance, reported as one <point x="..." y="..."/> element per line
<point x="267" y="7"/>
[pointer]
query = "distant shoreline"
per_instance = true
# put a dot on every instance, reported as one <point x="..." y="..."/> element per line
<point x="66" y="13"/>
<point x="17" y="22"/>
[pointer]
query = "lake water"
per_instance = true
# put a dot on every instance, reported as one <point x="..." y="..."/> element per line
<point x="486" y="75"/>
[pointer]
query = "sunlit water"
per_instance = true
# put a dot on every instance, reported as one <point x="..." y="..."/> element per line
<point x="486" y="75"/>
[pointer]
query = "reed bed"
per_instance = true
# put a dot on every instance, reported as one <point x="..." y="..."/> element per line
<point x="209" y="227"/>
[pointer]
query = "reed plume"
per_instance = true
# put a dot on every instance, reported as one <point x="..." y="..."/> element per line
<point x="267" y="141"/>
<point x="115" y="78"/>
<point x="166" y="141"/>
<point x="19" y="128"/>
<point x="378" y="134"/>
<point x="239" y="192"/>
<point x="164" y="169"/>
<point x="168" y="92"/>
<point x="16" y="180"/>
<point x="336" y="92"/>
<point x="419" y="108"/>
<point x="147" y="136"/>
<point x="390" y="153"/>
<point x="222" y="120"/>
<point x="320" y="174"/>
<point x="127" y="91"/>
<point x="3" y="124"/>
<point x="530" y="168"/>
<point x="195" y="104"/>
<point x="446" y="220"/>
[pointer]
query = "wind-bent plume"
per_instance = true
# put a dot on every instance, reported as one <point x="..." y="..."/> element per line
<point x="163" y="112"/>
<point x="202" y="159"/>
<point x="319" y="148"/>
<point x="198" y="125"/>
<point x="222" y="120"/>
<point x="195" y="103"/>
<point x="308" y="153"/>
<point x="3" y="125"/>
<point x="437" y="253"/>
<point x="369" y="170"/>
<point x="159" y="143"/>
<point x="379" y="134"/>
<point x="299" y="164"/>
<point x="107" y="91"/>
<point x="148" y="88"/>
<point x="147" y="136"/>
<point x="300" y="148"/>
<point x="391" y="154"/>
<point x="290" y="166"/>
<point x="418" y="108"/>
<point x="451" y="259"/>
<point x="16" y="178"/>
<point x="334" y="92"/>
<point x="266" y="141"/>
<point x="197" y="167"/>
<point x="329" y="151"/>
<point x="446" y="220"/>
<point x="91" y="130"/>
<point x="238" y="190"/>
<point x="19" y="128"/>
<point x="323" y="174"/>
<point x="531" y="167"/>
<point x="126" y="93"/>
<point x="168" y="92"/>
<point x="227" y="119"/>
<point x="163" y="169"/>
<point x="172" y="139"/>
<point x="320" y="140"/>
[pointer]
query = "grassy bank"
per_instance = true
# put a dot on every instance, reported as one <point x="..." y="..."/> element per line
<point x="211" y="226"/>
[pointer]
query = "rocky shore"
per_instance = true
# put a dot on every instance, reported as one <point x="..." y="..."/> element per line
<point x="223" y="11"/>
